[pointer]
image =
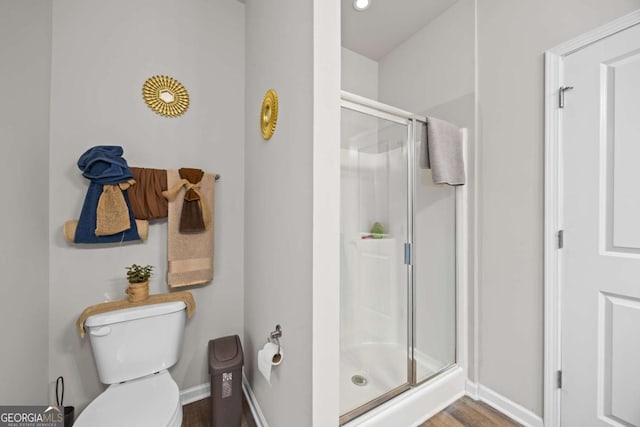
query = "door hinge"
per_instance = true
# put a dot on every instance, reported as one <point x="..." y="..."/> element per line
<point x="407" y="253"/>
<point x="559" y="379"/>
<point x="560" y="239"/>
<point x="561" y="92"/>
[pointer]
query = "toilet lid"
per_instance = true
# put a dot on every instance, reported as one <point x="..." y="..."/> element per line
<point x="151" y="401"/>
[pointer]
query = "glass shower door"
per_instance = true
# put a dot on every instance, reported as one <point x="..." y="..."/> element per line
<point x="374" y="277"/>
<point x="434" y="268"/>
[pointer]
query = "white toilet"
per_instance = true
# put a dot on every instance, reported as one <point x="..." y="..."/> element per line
<point x="133" y="348"/>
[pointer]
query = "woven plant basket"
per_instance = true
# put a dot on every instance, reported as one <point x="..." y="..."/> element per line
<point x="138" y="291"/>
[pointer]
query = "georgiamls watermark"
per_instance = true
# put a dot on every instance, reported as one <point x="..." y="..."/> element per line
<point x="31" y="416"/>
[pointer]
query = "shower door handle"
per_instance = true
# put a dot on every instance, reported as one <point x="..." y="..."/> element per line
<point x="407" y="253"/>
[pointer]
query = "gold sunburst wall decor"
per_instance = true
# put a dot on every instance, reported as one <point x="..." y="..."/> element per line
<point x="269" y="114"/>
<point x="166" y="96"/>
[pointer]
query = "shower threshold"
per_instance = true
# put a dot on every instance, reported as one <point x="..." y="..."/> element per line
<point x="407" y="405"/>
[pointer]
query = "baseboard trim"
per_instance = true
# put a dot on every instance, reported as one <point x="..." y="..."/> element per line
<point x="508" y="407"/>
<point x="195" y="393"/>
<point x="258" y="416"/>
<point x="472" y="390"/>
<point x="203" y="391"/>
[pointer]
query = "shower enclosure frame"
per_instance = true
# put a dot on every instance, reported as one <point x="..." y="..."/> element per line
<point x="456" y="371"/>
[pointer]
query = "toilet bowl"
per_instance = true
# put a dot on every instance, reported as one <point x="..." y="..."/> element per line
<point x="152" y="401"/>
<point x="133" y="349"/>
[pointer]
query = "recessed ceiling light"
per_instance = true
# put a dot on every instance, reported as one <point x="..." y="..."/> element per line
<point x="361" y="5"/>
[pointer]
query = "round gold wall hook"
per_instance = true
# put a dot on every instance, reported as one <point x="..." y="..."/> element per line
<point x="269" y="114"/>
<point x="166" y="96"/>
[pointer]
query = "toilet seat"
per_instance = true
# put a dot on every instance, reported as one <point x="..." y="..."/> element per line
<point x="151" y="401"/>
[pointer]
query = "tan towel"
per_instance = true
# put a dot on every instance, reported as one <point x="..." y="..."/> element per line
<point x="122" y="304"/>
<point x="112" y="215"/>
<point x="442" y="152"/>
<point x="190" y="256"/>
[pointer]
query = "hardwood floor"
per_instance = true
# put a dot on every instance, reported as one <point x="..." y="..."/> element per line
<point x="464" y="412"/>
<point x="467" y="412"/>
<point x="198" y="414"/>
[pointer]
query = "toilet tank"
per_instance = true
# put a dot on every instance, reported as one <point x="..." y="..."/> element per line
<point x="135" y="342"/>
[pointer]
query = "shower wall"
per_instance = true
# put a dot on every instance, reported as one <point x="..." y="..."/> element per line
<point x="373" y="170"/>
<point x="360" y="76"/>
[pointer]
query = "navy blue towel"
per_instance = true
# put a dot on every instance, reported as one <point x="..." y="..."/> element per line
<point x="102" y="165"/>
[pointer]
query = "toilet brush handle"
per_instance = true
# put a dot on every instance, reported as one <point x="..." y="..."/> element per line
<point x="60" y="393"/>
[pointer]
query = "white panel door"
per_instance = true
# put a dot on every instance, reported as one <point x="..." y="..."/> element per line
<point x="600" y="262"/>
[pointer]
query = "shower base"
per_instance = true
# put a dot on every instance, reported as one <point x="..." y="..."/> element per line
<point x="383" y="365"/>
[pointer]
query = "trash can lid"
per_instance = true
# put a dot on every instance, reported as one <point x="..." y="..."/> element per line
<point x="224" y="354"/>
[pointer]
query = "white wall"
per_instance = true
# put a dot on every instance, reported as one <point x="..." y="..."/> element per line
<point x="434" y="66"/>
<point x="359" y="74"/>
<point x="279" y="206"/>
<point x="512" y="37"/>
<point x="326" y="213"/>
<point x="433" y="73"/>
<point x="102" y="54"/>
<point x="25" y="49"/>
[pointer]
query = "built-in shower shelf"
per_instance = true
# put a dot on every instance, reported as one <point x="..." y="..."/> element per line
<point x="369" y="236"/>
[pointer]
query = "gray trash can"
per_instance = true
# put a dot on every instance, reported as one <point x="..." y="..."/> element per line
<point x="225" y="368"/>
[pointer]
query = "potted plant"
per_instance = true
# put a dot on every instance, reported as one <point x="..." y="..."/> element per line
<point x="138" y="277"/>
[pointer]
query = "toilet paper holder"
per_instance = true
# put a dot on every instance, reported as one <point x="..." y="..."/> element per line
<point x="274" y="336"/>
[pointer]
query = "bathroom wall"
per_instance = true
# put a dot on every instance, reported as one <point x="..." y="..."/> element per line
<point x="25" y="49"/>
<point x="325" y="370"/>
<point x="279" y="206"/>
<point x="433" y="73"/>
<point x="433" y="67"/>
<point x="359" y="74"/>
<point x="512" y="38"/>
<point x="102" y="54"/>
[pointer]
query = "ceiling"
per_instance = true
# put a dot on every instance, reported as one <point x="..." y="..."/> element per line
<point x="387" y="23"/>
